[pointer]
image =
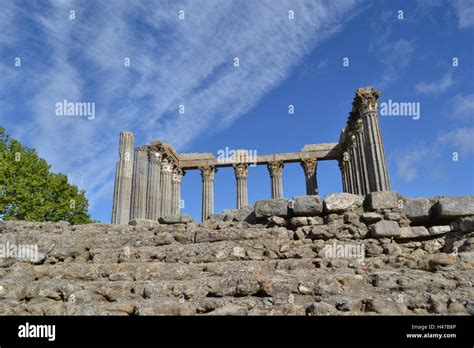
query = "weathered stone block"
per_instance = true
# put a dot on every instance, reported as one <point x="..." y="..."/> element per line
<point x="418" y="209"/>
<point x="392" y="216"/>
<point x="441" y="260"/>
<point x="322" y="232"/>
<point x="384" y="228"/>
<point x="340" y="202"/>
<point x="434" y="230"/>
<point x="315" y="220"/>
<point x="307" y="205"/>
<point x="271" y="207"/>
<point x="381" y="200"/>
<point x="276" y="221"/>
<point x="453" y="207"/>
<point x="371" y="217"/>
<point x="241" y="214"/>
<point x="176" y="219"/>
<point x="413" y="232"/>
<point x="143" y="223"/>
<point x="298" y="221"/>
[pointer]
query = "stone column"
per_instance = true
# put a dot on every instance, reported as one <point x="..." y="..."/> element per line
<point x="349" y="172"/>
<point x="165" y="185"/>
<point x="153" y="200"/>
<point x="364" y="178"/>
<point x="355" y="166"/>
<point x="343" y="174"/>
<point x="176" y="190"/>
<point x="241" y="172"/>
<point x="275" y="169"/>
<point x="366" y="101"/>
<point x="310" y="166"/>
<point x="139" y="183"/>
<point x="207" y="174"/>
<point x="123" y="180"/>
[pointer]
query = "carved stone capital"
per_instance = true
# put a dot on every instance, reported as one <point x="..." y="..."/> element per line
<point x="241" y="170"/>
<point x="154" y="156"/>
<point x="166" y="166"/>
<point x="366" y="100"/>
<point x="207" y="173"/>
<point x="309" y="165"/>
<point x="275" y="167"/>
<point x="177" y="175"/>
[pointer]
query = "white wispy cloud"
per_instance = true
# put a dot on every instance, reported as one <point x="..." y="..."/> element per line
<point x="421" y="160"/>
<point x="464" y="10"/>
<point x="463" y="107"/>
<point x="173" y="62"/>
<point x="460" y="140"/>
<point x="436" y="87"/>
<point x="415" y="162"/>
<point x="395" y="54"/>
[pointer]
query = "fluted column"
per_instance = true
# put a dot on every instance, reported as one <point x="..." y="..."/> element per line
<point x="139" y="183"/>
<point x="343" y="174"/>
<point x="176" y="190"/>
<point x="355" y="165"/>
<point x="275" y="169"/>
<point x="366" y="101"/>
<point x="207" y="174"/>
<point x="123" y="180"/>
<point x="241" y="172"/>
<point x="364" y="178"/>
<point x="349" y="172"/>
<point x="166" y="187"/>
<point x="310" y="166"/>
<point x="153" y="200"/>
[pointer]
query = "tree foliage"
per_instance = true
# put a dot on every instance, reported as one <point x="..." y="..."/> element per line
<point x="29" y="191"/>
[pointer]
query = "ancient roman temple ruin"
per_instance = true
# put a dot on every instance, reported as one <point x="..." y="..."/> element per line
<point x="148" y="178"/>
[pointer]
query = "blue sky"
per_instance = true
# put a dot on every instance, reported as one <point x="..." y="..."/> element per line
<point x="283" y="61"/>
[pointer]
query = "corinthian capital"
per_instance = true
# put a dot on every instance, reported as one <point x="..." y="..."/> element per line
<point x="166" y="165"/>
<point x="241" y="170"/>
<point x="366" y="99"/>
<point x="177" y="175"/>
<point x="154" y="156"/>
<point x="309" y="165"/>
<point x="207" y="173"/>
<point x="275" y="168"/>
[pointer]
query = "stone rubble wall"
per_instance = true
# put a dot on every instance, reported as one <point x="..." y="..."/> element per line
<point x="344" y="255"/>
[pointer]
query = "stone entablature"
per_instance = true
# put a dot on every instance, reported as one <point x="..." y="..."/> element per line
<point x="148" y="178"/>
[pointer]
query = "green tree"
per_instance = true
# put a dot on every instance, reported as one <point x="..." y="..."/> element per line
<point x="29" y="191"/>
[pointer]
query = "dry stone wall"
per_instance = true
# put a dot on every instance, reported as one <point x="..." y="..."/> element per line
<point x="344" y="255"/>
